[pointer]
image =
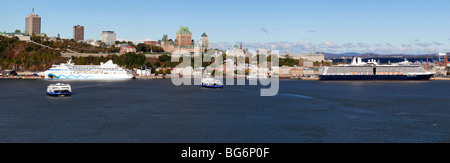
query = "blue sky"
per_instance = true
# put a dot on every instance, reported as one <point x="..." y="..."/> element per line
<point x="334" y="26"/>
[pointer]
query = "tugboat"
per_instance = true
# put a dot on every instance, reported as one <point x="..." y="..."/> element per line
<point x="211" y="83"/>
<point x="59" y="89"/>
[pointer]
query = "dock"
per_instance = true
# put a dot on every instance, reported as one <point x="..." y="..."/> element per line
<point x="20" y="78"/>
<point x="309" y="78"/>
<point x="150" y="77"/>
<point x="440" y="78"/>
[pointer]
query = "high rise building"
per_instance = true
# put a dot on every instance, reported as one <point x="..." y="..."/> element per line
<point x="108" y="37"/>
<point x="184" y="37"/>
<point x="32" y="24"/>
<point x="78" y="33"/>
<point x="204" y="40"/>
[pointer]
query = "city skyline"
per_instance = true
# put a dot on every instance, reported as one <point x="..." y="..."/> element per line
<point x="383" y="27"/>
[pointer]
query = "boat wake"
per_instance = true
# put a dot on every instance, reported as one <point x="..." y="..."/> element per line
<point x="295" y="95"/>
<point x="279" y="94"/>
<point x="91" y="86"/>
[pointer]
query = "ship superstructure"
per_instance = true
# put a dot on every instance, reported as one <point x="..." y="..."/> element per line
<point x="371" y="70"/>
<point x="104" y="71"/>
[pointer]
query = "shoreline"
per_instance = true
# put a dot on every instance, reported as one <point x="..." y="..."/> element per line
<point x="20" y="78"/>
<point x="440" y="79"/>
<point x="168" y="77"/>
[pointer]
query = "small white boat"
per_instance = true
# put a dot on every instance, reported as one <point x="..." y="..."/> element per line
<point x="211" y="83"/>
<point x="257" y="76"/>
<point x="59" y="89"/>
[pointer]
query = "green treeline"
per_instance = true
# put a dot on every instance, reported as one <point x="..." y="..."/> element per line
<point x="149" y="48"/>
<point x="128" y="60"/>
<point x="81" y="47"/>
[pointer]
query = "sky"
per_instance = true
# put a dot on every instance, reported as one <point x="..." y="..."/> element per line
<point x="330" y="26"/>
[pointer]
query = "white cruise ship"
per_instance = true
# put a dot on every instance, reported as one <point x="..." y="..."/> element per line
<point x="104" y="71"/>
<point x="360" y="70"/>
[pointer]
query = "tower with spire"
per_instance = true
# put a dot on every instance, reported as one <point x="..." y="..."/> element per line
<point x="204" y="40"/>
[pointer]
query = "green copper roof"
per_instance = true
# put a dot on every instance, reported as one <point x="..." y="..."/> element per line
<point x="204" y="35"/>
<point x="184" y="30"/>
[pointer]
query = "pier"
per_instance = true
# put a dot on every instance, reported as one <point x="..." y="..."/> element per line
<point x="440" y="78"/>
<point x="20" y="78"/>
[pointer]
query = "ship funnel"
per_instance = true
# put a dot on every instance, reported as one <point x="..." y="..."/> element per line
<point x="354" y="61"/>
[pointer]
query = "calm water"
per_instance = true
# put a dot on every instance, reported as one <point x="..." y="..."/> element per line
<point x="157" y="111"/>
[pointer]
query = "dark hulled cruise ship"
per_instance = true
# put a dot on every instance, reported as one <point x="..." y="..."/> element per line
<point x="359" y="70"/>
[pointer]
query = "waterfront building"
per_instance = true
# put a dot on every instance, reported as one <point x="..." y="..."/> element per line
<point x="108" y="37"/>
<point x="32" y="24"/>
<point x="92" y="42"/>
<point x="6" y="73"/>
<point x="21" y="36"/>
<point x="24" y="38"/>
<point x="285" y="71"/>
<point x="78" y="33"/>
<point x="302" y="72"/>
<point x="127" y="49"/>
<point x="313" y="56"/>
<point x="236" y="52"/>
<point x="54" y="39"/>
<point x="152" y="43"/>
<point x="143" y="72"/>
<point x="306" y="63"/>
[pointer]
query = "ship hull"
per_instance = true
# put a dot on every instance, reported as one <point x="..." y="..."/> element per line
<point x="89" y="76"/>
<point x="212" y="86"/>
<point x="375" y="77"/>
<point x="59" y="93"/>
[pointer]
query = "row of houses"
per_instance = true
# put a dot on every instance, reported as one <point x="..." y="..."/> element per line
<point x="283" y="72"/>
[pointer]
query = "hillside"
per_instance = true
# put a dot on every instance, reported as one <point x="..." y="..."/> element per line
<point x="24" y="56"/>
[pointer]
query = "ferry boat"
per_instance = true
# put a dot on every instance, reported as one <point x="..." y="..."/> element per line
<point x="59" y="89"/>
<point x="257" y="76"/>
<point x="104" y="71"/>
<point x="211" y="83"/>
<point x="359" y="70"/>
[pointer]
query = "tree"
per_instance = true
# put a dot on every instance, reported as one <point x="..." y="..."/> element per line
<point x="130" y="43"/>
<point x="158" y="64"/>
<point x="164" y="58"/>
<point x="148" y="64"/>
<point x="17" y="31"/>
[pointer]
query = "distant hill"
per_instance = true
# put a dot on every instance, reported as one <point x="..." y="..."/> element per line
<point x="373" y="55"/>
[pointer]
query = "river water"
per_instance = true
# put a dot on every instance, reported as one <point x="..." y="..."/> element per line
<point x="156" y="111"/>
